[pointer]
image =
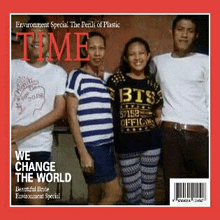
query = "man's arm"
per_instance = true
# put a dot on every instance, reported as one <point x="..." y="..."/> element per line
<point x="20" y="132"/>
<point x="158" y="113"/>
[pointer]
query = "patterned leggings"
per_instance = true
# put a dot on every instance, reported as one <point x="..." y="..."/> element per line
<point x="139" y="172"/>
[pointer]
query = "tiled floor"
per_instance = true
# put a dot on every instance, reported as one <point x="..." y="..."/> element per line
<point x="159" y="194"/>
<point x="76" y="191"/>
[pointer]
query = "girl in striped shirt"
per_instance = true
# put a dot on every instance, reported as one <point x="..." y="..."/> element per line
<point x="90" y="119"/>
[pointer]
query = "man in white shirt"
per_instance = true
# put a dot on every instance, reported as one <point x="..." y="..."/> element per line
<point x="37" y="102"/>
<point x="184" y="79"/>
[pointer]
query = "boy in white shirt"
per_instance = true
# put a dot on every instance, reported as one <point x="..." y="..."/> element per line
<point x="184" y="79"/>
<point x="37" y="102"/>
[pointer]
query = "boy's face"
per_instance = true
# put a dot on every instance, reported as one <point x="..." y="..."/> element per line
<point x="33" y="43"/>
<point x="184" y="35"/>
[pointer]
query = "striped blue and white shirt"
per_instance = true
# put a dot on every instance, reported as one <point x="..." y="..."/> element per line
<point x="94" y="109"/>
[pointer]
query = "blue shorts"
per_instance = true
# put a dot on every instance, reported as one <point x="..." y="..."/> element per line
<point x="41" y="156"/>
<point x="104" y="162"/>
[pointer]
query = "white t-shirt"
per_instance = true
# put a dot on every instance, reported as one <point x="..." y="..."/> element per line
<point x="106" y="76"/>
<point x="33" y="92"/>
<point x="185" y="88"/>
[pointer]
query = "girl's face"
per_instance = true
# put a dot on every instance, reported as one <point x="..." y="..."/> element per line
<point x="96" y="51"/>
<point x="137" y="57"/>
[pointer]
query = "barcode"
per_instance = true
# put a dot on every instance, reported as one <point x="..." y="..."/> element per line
<point x="190" y="191"/>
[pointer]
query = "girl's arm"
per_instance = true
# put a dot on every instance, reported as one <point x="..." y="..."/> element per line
<point x="86" y="160"/>
<point x="19" y="132"/>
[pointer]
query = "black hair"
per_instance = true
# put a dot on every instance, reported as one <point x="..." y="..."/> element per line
<point x="85" y="39"/>
<point x="192" y="18"/>
<point x="37" y="19"/>
<point x="124" y="67"/>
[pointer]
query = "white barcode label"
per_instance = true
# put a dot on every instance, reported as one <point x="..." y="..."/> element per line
<point x="189" y="192"/>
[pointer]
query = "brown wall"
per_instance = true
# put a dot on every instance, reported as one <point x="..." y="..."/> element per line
<point x="156" y="29"/>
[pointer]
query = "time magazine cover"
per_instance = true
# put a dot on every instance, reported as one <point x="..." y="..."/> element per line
<point x="92" y="47"/>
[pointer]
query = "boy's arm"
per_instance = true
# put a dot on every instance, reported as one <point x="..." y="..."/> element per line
<point x="158" y="113"/>
<point x="20" y="132"/>
<point x="86" y="160"/>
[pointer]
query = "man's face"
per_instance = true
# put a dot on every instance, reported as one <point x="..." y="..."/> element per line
<point x="34" y="43"/>
<point x="184" y="35"/>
